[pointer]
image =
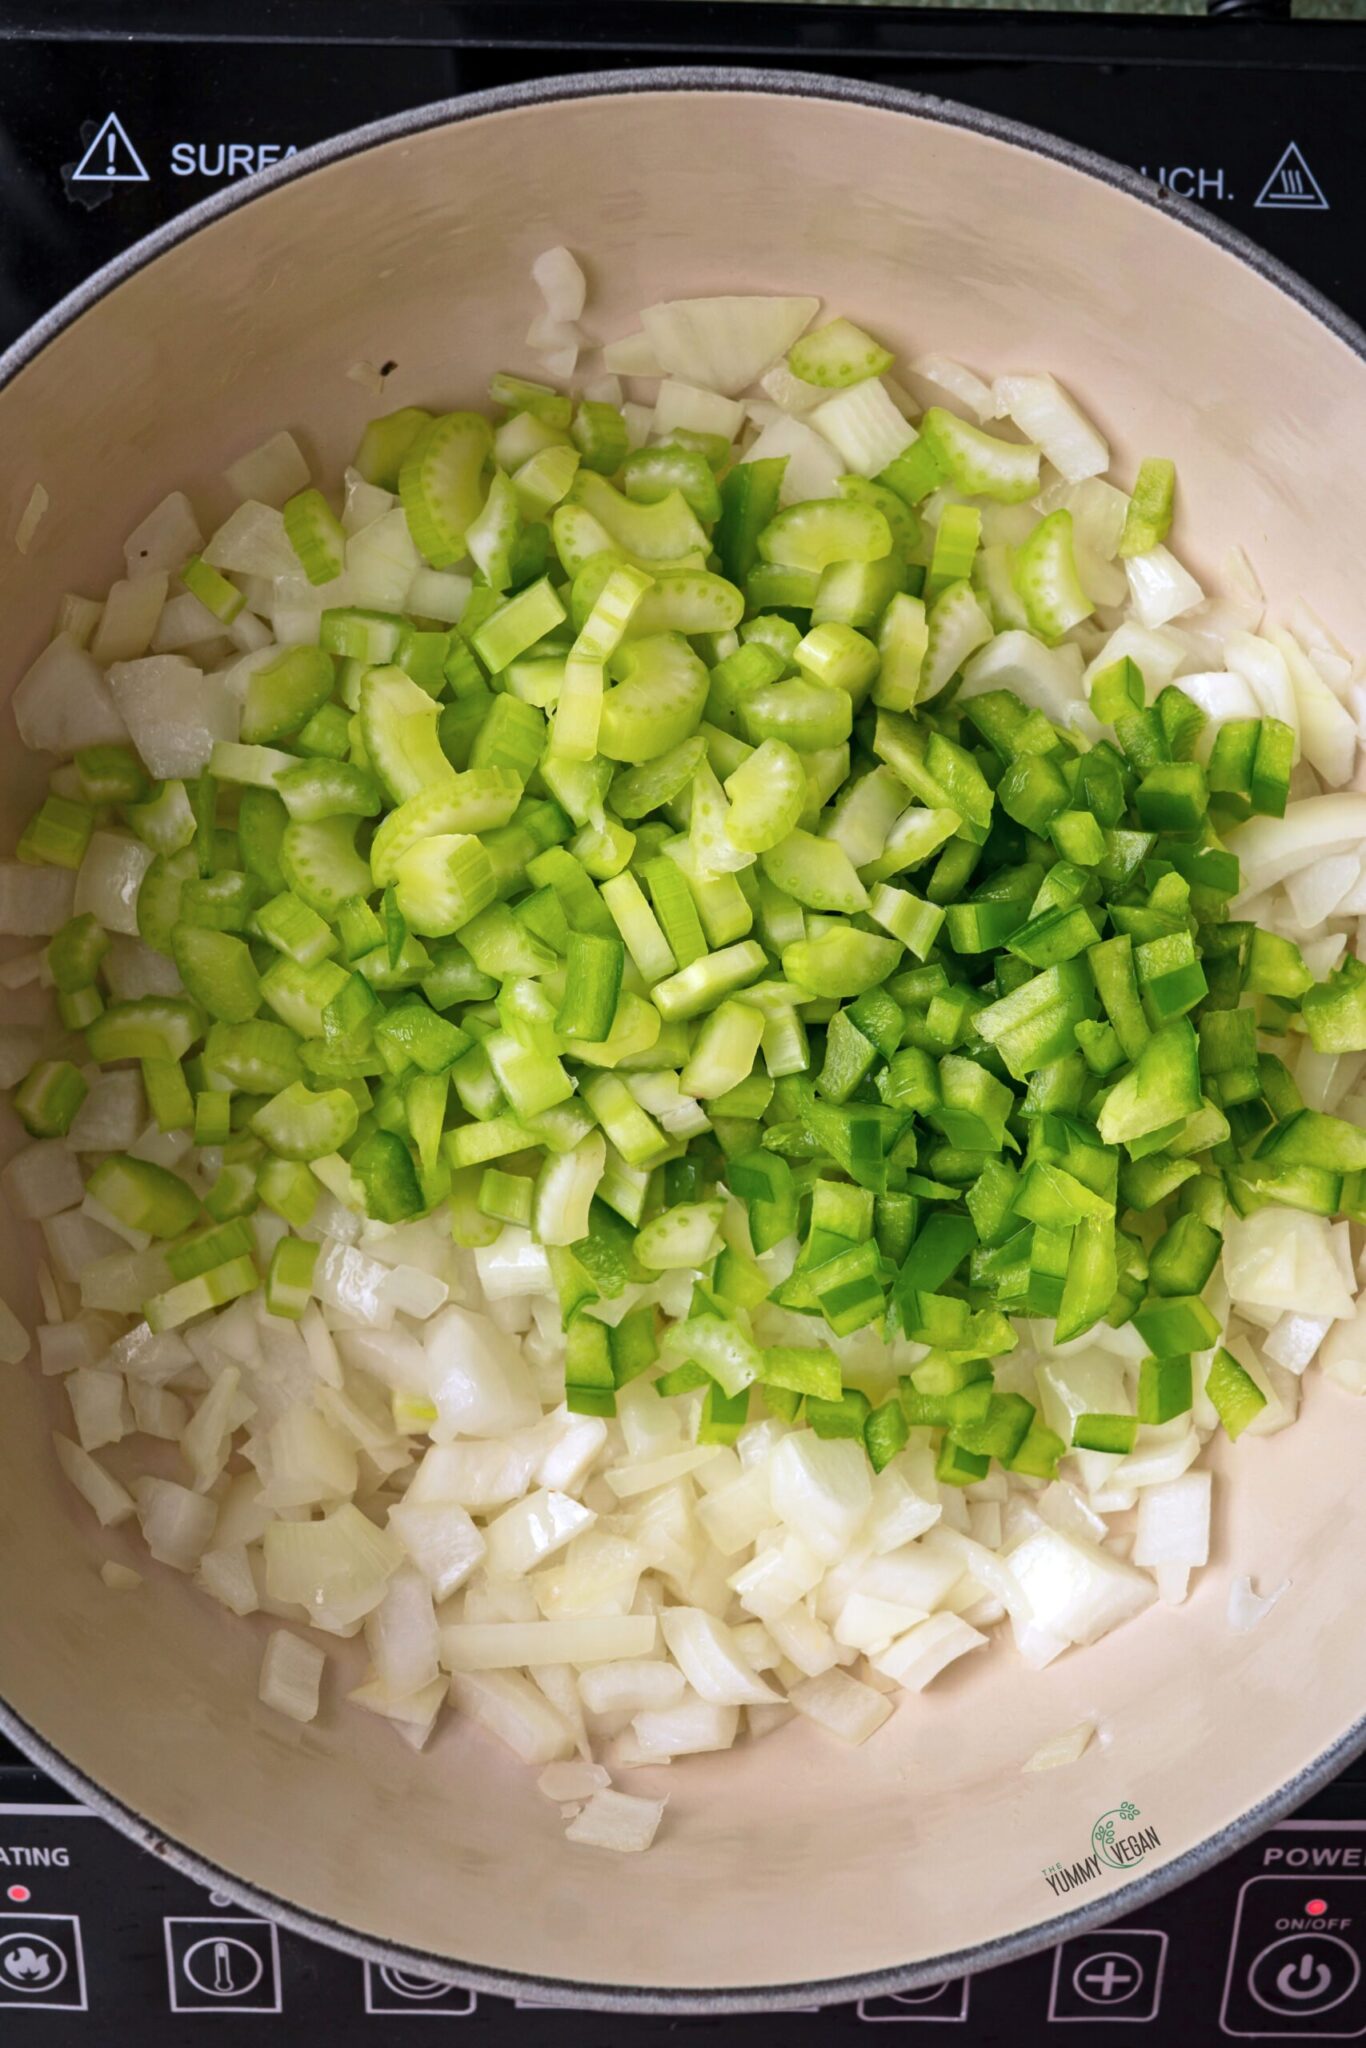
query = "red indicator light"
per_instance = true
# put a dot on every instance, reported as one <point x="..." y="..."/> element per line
<point x="1316" y="1908"/>
<point x="20" y="1894"/>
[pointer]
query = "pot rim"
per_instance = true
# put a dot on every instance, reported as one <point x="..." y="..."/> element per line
<point x="1041" y="1934"/>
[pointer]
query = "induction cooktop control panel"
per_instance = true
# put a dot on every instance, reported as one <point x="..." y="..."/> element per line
<point x="102" y="1943"/>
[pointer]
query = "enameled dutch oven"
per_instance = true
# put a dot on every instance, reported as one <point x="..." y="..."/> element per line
<point x="800" y="1870"/>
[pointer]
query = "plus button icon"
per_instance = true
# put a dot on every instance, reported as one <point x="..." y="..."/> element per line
<point x="1107" y="1979"/>
<point x="1116" y="1980"/>
<point x="1114" y="1973"/>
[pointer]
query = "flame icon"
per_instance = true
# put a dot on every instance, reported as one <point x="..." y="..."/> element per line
<point x="26" y="1962"/>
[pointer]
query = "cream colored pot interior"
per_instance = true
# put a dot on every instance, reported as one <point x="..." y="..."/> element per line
<point x="799" y="1860"/>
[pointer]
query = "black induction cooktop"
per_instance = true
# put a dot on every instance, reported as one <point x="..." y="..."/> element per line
<point x="116" y="116"/>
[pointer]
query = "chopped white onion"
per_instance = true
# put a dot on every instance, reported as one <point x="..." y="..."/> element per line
<point x="176" y="1523"/>
<point x="226" y="1576"/>
<point x="441" y="1539"/>
<point x="572" y="1781"/>
<point x="703" y="412"/>
<point x="291" y="1676"/>
<point x="532" y="1530"/>
<point x="813" y="467"/>
<point x="1247" y="1609"/>
<point x="822" y="1489"/>
<point x="1061" y="1749"/>
<point x="1173" y="1522"/>
<point x="924" y="1651"/>
<point x="1075" y="1589"/>
<point x="110" y="1502"/>
<point x="864" y="426"/>
<point x="688" y="1729"/>
<point x="847" y="1708"/>
<point x="34" y="902"/>
<point x="42" y="1179"/>
<point x="616" y="1820"/>
<point x="165" y="538"/>
<point x="512" y="1708"/>
<point x="273" y="472"/>
<point x="1160" y="588"/>
<point x="174" y="713"/>
<point x="1043" y="412"/>
<point x="631" y="1686"/>
<point x="723" y="344"/>
<point x="561" y="283"/>
<point x="971" y="392"/>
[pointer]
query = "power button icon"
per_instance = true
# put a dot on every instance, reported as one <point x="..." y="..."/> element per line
<point x="1295" y="1959"/>
<point x="1304" y="1973"/>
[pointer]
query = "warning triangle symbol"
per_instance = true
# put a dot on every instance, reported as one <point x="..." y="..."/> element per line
<point x="111" y="158"/>
<point x="1293" y="185"/>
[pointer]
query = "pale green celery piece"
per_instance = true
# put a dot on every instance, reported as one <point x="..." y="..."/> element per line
<point x="476" y="800"/>
<point x="981" y="464"/>
<point x="622" y="593"/>
<point x="578" y="712"/>
<point x="840" y="657"/>
<point x="724" y="1050"/>
<point x="543" y="480"/>
<point x="781" y="919"/>
<point x="826" y="770"/>
<point x="785" y="1046"/>
<point x="441" y="483"/>
<point x="993" y="582"/>
<point x="578" y="537"/>
<point x="639" y="927"/>
<point x="492" y="535"/>
<point x="319" y="862"/>
<point x="301" y="1124"/>
<point x="1044" y="573"/>
<point x="817" y="873"/>
<point x="714" y="852"/>
<point x="565" y="1189"/>
<point x="824" y="530"/>
<point x="578" y="787"/>
<point x="316" y="535"/>
<point x="686" y="1235"/>
<point x="166" y="821"/>
<point x="768" y="793"/>
<point x="635" y="1031"/>
<point x="958" y="626"/>
<point x="651" y="533"/>
<point x="258" y="767"/>
<point x="706" y="982"/>
<point x="657" y="701"/>
<point x="688" y="601"/>
<point x="837" y="355"/>
<point x="634" y="1133"/>
<point x="517" y="625"/>
<point x="536" y="679"/>
<point x="841" y="963"/>
<point x="532" y="1080"/>
<point x="902" y="641"/>
<point x="398" y="723"/>
<point x="865" y="814"/>
<point x="721" y="903"/>
<point x="726" y="751"/>
<point x="521" y="437"/>
<point x="916" y="835"/>
<point x="604" y="849"/>
<point x="906" y="917"/>
<point x="443" y="882"/>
